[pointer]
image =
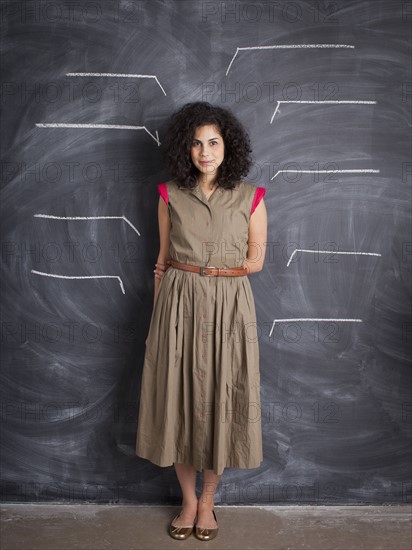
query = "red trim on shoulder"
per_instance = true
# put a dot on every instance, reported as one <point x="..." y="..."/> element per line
<point x="259" y="194"/>
<point x="162" y="188"/>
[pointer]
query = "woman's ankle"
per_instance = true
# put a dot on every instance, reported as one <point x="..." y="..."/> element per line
<point x="206" y="503"/>
<point x="190" y="501"/>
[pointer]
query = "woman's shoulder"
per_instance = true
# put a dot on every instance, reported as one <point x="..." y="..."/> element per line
<point x="166" y="186"/>
<point x="168" y="189"/>
<point x="247" y="188"/>
<point x="244" y="184"/>
<point x="173" y="184"/>
<point x="170" y="183"/>
<point x="252" y="195"/>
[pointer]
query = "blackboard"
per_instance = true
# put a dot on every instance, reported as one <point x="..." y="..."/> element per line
<point x="324" y="89"/>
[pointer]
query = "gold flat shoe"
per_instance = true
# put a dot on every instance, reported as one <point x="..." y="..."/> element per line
<point x="180" y="533"/>
<point x="206" y="534"/>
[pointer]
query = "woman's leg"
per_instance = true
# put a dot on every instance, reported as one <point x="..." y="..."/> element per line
<point x="206" y="503"/>
<point x="187" y="478"/>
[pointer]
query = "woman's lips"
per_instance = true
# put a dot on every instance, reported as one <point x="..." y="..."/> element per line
<point x="205" y="161"/>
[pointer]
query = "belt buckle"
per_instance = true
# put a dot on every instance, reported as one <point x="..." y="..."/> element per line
<point x="202" y="270"/>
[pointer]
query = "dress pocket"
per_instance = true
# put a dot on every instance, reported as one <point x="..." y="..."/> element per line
<point x="179" y="334"/>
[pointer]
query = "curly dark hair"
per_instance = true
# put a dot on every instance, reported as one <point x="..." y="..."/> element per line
<point x="179" y="135"/>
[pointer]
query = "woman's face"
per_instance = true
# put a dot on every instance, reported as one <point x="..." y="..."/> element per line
<point x="207" y="149"/>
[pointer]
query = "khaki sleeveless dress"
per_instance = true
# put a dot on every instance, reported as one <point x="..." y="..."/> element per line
<point x="200" y="388"/>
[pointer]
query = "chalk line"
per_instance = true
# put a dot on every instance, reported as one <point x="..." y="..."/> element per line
<point x="354" y="171"/>
<point x="313" y="319"/>
<point x="327" y="101"/>
<point x="286" y="46"/>
<point x="330" y="252"/>
<point x="119" y="75"/>
<point x="109" y="126"/>
<point x="89" y="218"/>
<point x="80" y="277"/>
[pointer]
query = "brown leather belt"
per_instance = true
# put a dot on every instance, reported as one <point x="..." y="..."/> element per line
<point x="210" y="270"/>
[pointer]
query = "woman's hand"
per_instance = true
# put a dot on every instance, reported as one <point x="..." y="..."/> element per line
<point x="160" y="269"/>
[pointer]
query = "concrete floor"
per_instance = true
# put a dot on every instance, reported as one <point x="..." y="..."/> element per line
<point x="108" y="527"/>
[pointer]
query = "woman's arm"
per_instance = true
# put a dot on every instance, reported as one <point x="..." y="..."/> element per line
<point x="257" y="239"/>
<point x="164" y="235"/>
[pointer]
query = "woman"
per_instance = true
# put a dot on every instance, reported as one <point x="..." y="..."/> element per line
<point x="200" y="393"/>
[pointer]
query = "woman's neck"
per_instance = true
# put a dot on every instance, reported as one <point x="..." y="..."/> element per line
<point x="206" y="182"/>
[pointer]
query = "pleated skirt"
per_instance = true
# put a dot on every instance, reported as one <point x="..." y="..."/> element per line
<point x="200" y="387"/>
